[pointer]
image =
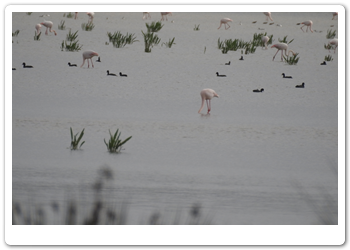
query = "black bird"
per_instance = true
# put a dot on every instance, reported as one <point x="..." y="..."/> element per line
<point x="284" y="76"/>
<point x="13" y="68"/>
<point x="110" y="74"/>
<point x="72" y="65"/>
<point x="26" y="66"/>
<point x="217" y="74"/>
<point x="256" y="90"/>
<point x="120" y="73"/>
<point x="241" y="58"/>
<point x="98" y="60"/>
<point x="324" y="63"/>
<point x="301" y="86"/>
<point x="228" y="63"/>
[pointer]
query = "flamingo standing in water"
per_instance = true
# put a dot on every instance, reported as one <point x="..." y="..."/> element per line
<point x="225" y="22"/>
<point x="165" y="14"/>
<point x="89" y="54"/>
<point x="282" y="47"/>
<point x="265" y="39"/>
<point x="48" y="25"/>
<point x="91" y="16"/>
<point x="333" y="42"/>
<point x="335" y="15"/>
<point x="207" y="95"/>
<point x="268" y="15"/>
<point x="308" y="25"/>
<point x="146" y="15"/>
<point x="38" y="28"/>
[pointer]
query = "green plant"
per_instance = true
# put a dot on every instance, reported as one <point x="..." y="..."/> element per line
<point x="119" y="40"/>
<point x="75" y="142"/>
<point x="29" y="13"/>
<point x="87" y="26"/>
<point x="70" y="15"/>
<point x="150" y="40"/>
<point x="331" y="34"/>
<point x="328" y="58"/>
<point x="328" y="46"/>
<point x="284" y="40"/>
<point x="37" y="37"/>
<point x="72" y="46"/>
<point x="196" y="27"/>
<point x="15" y="33"/>
<point x="293" y="60"/>
<point x="71" y="36"/>
<point x="154" y="26"/>
<point x="61" y="26"/>
<point x="115" y="144"/>
<point x="170" y="43"/>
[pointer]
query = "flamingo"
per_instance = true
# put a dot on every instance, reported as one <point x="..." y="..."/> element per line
<point x="265" y="39"/>
<point x="146" y="15"/>
<point x="207" y="95"/>
<point x="333" y="42"/>
<point x="48" y="25"/>
<point x="225" y="22"/>
<point x="91" y="16"/>
<point x="76" y="15"/>
<point x="281" y="46"/>
<point x="308" y="25"/>
<point x="268" y="15"/>
<point x="165" y="14"/>
<point x="88" y="55"/>
<point x="38" y="28"/>
<point x="335" y="15"/>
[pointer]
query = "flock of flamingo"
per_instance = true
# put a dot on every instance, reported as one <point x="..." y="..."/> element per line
<point x="206" y="94"/>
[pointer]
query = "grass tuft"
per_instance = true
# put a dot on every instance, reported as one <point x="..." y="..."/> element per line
<point x="150" y="40"/>
<point x="61" y="26"/>
<point x="196" y="27"/>
<point x="331" y="34"/>
<point x="119" y="40"/>
<point x="87" y="26"/>
<point x="328" y="58"/>
<point x="292" y="60"/>
<point x="154" y="26"/>
<point x="74" y="141"/>
<point x="170" y="43"/>
<point x="115" y="144"/>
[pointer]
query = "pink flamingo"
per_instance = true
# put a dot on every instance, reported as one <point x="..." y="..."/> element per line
<point x="282" y="47"/>
<point x="335" y="15"/>
<point x="265" y="39"/>
<point x="308" y="25"/>
<point x="89" y="54"/>
<point x="268" y="15"/>
<point x="165" y="14"/>
<point x="146" y="15"/>
<point x="48" y="25"/>
<point x="333" y="42"/>
<point x="207" y="95"/>
<point x="225" y="22"/>
<point x="38" y="28"/>
<point x="91" y="16"/>
<point x="76" y="15"/>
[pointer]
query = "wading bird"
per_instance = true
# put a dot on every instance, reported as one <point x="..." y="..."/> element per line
<point x="48" y="25"/>
<point x="335" y="15"/>
<point x="89" y="54"/>
<point x="265" y="40"/>
<point x="91" y="16"/>
<point x="333" y="42"/>
<point x="207" y="95"/>
<point x="268" y="15"/>
<point x="282" y="47"/>
<point x="225" y="22"/>
<point x="146" y="15"/>
<point x="38" y="28"/>
<point x="308" y="25"/>
<point x="165" y="14"/>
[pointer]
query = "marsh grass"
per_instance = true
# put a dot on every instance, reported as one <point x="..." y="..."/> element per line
<point x="75" y="141"/>
<point x="87" y="26"/>
<point x="328" y="58"/>
<point x="257" y="39"/>
<point x="115" y="144"/>
<point x="119" y="40"/>
<point x="196" y="27"/>
<point x="72" y="36"/>
<point x="154" y="26"/>
<point x="29" y="13"/>
<point x="292" y="60"/>
<point x="331" y="34"/>
<point x="284" y="40"/>
<point x="150" y="40"/>
<point x="328" y="46"/>
<point x="15" y="33"/>
<point x="72" y="46"/>
<point x="69" y="15"/>
<point x="37" y="37"/>
<point x="170" y="43"/>
<point x="61" y="26"/>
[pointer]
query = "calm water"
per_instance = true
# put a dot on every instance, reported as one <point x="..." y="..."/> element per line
<point x="266" y="158"/>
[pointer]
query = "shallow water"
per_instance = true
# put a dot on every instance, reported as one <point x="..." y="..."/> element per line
<point x="249" y="162"/>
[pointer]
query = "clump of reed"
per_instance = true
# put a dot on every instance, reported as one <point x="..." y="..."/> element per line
<point x="292" y="60"/>
<point x="61" y="26"/>
<point x="150" y="40"/>
<point x="170" y="43"/>
<point x="284" y="40"/>
<point x="328" y="46"/>
<point x="257" y="39"/>
<point x="114" y="144"/>
<point x="331" y="34"/>
<point x="196" y="27"/>
<point x="69" y="15"/>
<point x="29" y="13"/>
<point x="37" y="36"/>
<point x="73" y="44"/>
<point x="328" y="58"/>
<point x="119" y="40"/>
<point x="15" y="33"/>
<point x="87" y="26"/>
<point x="75" y="140"/>
<point x="72" y="36"/>
<point x="154" y="26"/>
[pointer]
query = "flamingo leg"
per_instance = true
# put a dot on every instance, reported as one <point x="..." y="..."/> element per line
<point x="208" y="105"/>
<point x="92" y="63"/>
<point x="83" y="63"/>
<point x="220" y="26"/>
<point x="275" y="55"/>
<point x="227" y="25"/>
